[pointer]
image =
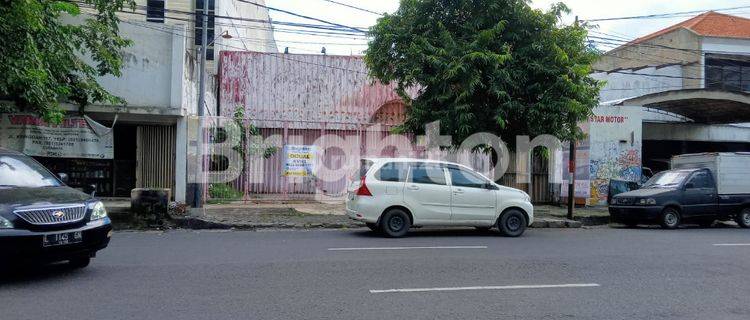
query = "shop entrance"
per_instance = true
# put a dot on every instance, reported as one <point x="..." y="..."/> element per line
<point x="112" y="177"/>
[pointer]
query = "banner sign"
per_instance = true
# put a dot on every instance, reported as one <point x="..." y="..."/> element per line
<point x="299" y="160"/>
<point x="73" y="138"/>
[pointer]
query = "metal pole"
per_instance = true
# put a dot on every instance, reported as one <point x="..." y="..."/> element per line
<point x="572" y="180"/>
<point x="572" y="168"/>
<point x="198" y="194"/>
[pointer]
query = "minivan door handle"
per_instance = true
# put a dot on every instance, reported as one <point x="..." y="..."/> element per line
<point x="458" y="191"/>
<point x="412" y="187"/>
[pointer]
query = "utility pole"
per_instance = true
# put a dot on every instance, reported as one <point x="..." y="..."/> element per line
<point x="198" y="190"/>
<point x="572" y="167"/>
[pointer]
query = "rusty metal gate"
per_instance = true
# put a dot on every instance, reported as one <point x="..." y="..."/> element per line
<point x="156" y="157"/>
<point x="261" y="175"/>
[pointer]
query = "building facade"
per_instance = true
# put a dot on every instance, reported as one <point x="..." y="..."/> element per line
<point x="679" y="90"/>
<point x="149" y="134"/>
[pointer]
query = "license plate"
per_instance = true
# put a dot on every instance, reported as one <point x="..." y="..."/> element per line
<point x="61" y="239"/>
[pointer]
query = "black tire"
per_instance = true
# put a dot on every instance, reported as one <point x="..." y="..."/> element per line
<point x="395" y="223"/>
<point x="512" y="223"/>
<point x="670" y="218"/>
<point x="80" y="262"/>
<point x="373" y="226"/>
<point x="743" y="219"/>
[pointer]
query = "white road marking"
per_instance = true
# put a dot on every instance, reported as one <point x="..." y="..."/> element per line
<point x="406" y="248"/>
<point x="517" y="287"/>
<point x="732" y="244"/>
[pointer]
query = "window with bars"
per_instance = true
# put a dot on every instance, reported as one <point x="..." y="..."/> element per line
<point x="199" y="25"/>
<point x="155" y="11"/>
<point x="730" y="73"/>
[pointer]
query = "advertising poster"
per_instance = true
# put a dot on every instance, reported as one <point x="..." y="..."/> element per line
<point x="73" y="138"/>
<point x="299" y="160"/>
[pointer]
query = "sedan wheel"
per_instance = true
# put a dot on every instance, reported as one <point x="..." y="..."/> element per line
<point x="396" y="223"/>
<point x="512" y="223"/>
<point x="744" y="218"/>
<point x="670" y="218"/>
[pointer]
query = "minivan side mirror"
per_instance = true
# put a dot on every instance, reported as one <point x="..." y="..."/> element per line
<point x="490" y="186"/>
<point x="63" y="177"/>
<point x="689" y="185"/>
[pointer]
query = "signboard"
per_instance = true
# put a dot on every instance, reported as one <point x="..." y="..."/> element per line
<point x="73" y="138"/>
<point x="299" y="160"/>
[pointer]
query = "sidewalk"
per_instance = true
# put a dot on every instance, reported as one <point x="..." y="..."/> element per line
<point x="322" y="215"/>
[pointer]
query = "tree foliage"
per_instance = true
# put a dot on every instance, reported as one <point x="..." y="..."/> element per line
<point x="52" y="52"/>
<point x="495" y="66"/>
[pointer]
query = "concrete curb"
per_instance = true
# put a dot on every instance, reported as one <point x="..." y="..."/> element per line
<point x="201" y="223"/>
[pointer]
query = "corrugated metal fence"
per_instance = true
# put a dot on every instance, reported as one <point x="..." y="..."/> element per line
<point x="259" y="170"/>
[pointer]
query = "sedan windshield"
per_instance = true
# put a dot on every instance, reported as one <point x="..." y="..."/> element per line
<point x="666" y="179"/>
<point x="21" y="171"/>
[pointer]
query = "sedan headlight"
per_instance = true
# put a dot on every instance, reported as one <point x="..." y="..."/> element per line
<point x="646" y="201"/>
<point x="98" y="211"/>
<point x="5" y="223"/>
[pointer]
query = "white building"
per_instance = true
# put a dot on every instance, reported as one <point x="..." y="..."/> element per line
<point x="683" y="89"/>
<point x="159" y="82"/>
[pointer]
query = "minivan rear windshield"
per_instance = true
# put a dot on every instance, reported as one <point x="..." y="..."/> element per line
<point x="24" y="172"/>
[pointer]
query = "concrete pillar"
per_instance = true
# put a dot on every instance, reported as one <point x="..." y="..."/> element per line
<point x="180" y="174"/>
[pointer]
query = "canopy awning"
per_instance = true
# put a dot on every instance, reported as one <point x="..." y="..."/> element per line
<point x="700" y="105"/>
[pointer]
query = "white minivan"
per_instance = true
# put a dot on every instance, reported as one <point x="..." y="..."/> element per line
<point x="395" y="194"/>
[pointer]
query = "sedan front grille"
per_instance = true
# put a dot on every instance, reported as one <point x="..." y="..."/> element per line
<point x="52" y="215"/>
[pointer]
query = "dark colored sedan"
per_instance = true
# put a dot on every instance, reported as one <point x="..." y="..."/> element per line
<point x="43" y="220"/>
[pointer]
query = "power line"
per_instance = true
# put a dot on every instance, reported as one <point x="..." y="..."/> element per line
<point x="328" y="29"/>
<point x="354" y="7"/>
<point x="663" y="15"/>
<point x="274" y="55"/>
<point x="316" y="33"/>
<point x="301" y="16"/>
<point x="324" y="43"/>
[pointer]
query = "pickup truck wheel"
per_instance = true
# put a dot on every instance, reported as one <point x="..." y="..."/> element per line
<point x="395" y="223"/>
<point x="670" y="218"/>
<point x="512" y="223"/>
<point x="743" y="219"/>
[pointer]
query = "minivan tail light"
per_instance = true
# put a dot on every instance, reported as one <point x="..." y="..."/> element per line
<point x="363" y="190"/>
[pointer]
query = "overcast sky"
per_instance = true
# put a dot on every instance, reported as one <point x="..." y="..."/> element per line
<point x="585" y="9"/>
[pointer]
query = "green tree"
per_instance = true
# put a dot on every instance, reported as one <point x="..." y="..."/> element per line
<point x="495" y="66"/>
<point x="44" y="46"/>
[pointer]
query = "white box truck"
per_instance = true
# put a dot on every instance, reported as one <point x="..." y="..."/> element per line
<point x="700" y="188"/>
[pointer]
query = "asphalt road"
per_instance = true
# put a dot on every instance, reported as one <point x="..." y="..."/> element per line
<point x="599" y="273"/>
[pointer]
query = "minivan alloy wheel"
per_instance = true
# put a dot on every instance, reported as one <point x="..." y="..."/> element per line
<point x="396" y="223"/>
<point x="512" y="223"/>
